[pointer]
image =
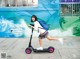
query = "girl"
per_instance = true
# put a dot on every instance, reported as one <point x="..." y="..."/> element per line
<point x="43" y="32"/>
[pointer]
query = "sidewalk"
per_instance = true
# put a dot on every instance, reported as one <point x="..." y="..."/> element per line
<point x="15" y="48"/>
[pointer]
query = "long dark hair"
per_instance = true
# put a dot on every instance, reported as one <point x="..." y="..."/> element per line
<point x="33" y="16"/>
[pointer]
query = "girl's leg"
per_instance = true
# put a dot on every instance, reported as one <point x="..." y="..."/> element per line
<point x="50" y="38"/>
<point x="59" y="39"/>
<point x="40" y="42"/>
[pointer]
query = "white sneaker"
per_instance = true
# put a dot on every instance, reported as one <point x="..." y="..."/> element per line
<point x="61" y="40"/>
<point x="40" y="48"/>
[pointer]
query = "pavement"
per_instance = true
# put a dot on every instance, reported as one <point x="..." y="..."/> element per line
<point x="15" y="48"/>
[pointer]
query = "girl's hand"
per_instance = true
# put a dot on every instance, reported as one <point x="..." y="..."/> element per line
<point x="31" y="26"/>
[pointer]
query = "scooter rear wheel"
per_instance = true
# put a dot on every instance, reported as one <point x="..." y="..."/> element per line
<point x="51" y="49"/>
<point x="28" y="51"/>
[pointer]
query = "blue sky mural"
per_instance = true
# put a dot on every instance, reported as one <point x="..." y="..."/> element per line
<point x="13" y="19"/>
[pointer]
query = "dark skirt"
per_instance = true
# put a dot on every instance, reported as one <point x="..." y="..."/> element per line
<point x="43" y="35"/>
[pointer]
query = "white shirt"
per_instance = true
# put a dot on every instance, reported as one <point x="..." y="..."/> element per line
<point x="38" y="27"/>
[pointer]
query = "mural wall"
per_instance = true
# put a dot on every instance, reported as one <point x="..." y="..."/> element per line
<point x="70" y="16"/>
<point x="14" y="21"/>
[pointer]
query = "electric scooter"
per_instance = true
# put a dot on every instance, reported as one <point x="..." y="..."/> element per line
<point x="30" y="48"/>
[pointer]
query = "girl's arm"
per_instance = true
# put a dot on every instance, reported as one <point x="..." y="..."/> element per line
<point x="31" y="26"/>
<point x="36" y="25"/>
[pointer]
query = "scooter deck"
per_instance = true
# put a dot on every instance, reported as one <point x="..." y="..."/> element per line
<point x="44" y="50"/>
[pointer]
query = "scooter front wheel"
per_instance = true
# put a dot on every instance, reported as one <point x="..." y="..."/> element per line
<point x="51" y="49"/>
<point x="28" y="51"/>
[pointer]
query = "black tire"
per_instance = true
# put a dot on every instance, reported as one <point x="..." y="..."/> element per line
<point x="28" y="50"/>
<point x="51" y="49"/>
